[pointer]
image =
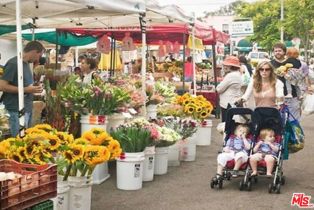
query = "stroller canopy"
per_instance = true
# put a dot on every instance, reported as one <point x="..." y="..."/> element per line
<point x="230" y="125"/>
<point x="267" y="117"/>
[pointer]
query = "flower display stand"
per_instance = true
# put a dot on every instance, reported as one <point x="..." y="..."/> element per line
<point x="174" y="155"/>
<point x="151" y="111"/>
<point x="204" y="133"/>
<point x="100" y="173"/>
<point x="80" y="193"/>
<point x="130" y="171"/>
<point x="61" y="202"/>
<point x="149" y="162"/>
<point x="188" y="149"/>
<point x="161" y="160"/>
<point x="115" y="120"/>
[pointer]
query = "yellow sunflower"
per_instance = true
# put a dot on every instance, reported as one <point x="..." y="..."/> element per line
<point x="96" y="154"/>
<point x="69" y="156"/>
<point x="54" y="142"/>
<point x="204" y="114"/>
<point x="34" y="130"/>
<point x="81" y="141"/>
<point x="15" y="156"/>
<point x="65" y="138"/>
<point x="45" y="127"/>
<point x="77" y="151"/>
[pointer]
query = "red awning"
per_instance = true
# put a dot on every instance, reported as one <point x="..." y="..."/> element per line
<point x="155" y="33"/>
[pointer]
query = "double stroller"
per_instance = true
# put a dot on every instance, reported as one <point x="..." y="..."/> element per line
<point x="261" y="118"/>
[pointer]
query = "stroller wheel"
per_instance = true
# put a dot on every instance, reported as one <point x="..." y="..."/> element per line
<point x="212" y="184"/>
<point x="255" y="179"/>
<point x="249" y="186"/>
<point x="220" y="183"/>
<point x="277" y="190"/>
<point x="228" y="176"/>
<point x="270" y="188"/>
<point x="241" y="185"/>
<point x="283" y="180"/>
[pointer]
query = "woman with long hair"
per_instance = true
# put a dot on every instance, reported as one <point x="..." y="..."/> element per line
<point x="266" y="89"/>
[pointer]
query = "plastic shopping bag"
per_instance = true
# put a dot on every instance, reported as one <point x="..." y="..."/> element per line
<point x="294" y="136"/>
<point x="308" y="104"/>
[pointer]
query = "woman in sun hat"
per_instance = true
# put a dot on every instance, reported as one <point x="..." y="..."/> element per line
<point x="229" y="89"/>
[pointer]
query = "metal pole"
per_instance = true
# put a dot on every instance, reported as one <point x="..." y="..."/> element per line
<point x="281" y="20"/>
<point x="217" y="113"/>
<point x="193" y="63"/>
<point x="76" y="56"/>
<point x="143" y="67"/>
<point x="20" y="69"/>
<point x="183" y="60"/>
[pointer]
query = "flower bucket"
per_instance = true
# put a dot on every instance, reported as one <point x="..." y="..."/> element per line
<point x="204" y="133"/>
<point x="151" y="111"/>
<point x="115" y="120"/>
<point x="61" y="202"/>
<point x="188" y="149"/>
<point x="130" y="171"/>
<point x="174" y="155"/>
<point x="100" y="173"/>
<point x="149" y="162"/>
<point x="161" y="160"/>
<point x="80" y="193"/>
<point x="93" y="121"/>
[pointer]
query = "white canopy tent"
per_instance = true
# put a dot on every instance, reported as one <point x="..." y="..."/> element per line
<point x="83" y="13"/>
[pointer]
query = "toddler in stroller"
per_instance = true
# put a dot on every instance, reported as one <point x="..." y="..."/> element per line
<point x="267" y="158"/>
<point x="234" y="155"/>
<point x="266" y="148"/>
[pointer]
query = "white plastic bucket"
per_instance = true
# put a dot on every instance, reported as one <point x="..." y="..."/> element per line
<point x="149" y="162"/>
<point x="115" y="120"/>
<point x="61" y="202"/>
<point x="161" y="160"/>
<point x="100" y="173"/>
<point x="80" y="193"/>
<point x="151" y="111"/>
<point x="174" y="155"/>
<point x="93" y="121"/>
<point x="204" y="133"/>
<point x="130" y="171"/>
<point x="188" y="150"/>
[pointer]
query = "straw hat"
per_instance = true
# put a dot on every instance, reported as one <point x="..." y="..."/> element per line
<point x="231" y="61"/>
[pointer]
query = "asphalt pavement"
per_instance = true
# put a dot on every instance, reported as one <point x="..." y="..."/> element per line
<point x="186" y="187"/>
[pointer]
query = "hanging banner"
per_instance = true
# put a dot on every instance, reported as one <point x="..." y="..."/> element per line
<point x="127" y="43"/>
<point x="198" y="43"/>
<point x="103" y="45"/>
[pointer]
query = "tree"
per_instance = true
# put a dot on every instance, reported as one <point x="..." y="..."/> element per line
<point x="297" y="22"/>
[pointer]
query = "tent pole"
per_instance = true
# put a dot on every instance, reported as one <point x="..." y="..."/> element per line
<point x="111" y="53"/>
<point x="217" y="113"/>
<point x="183" y="60"/>
<point x="76" y="56"/>
<point x="143" y="67"/>
<point x="57" y="53"/>
<point x="20" y="69"/>
<point x="114" y="57"/>
<point x="193" y="63"/>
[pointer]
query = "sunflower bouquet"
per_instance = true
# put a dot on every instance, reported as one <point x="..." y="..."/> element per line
<point x="195" y="106"/>
<point x="39" y="146"/>
<point x="81" y="156"/>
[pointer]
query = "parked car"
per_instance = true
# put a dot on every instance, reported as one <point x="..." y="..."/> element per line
<point x="256" y="57"/>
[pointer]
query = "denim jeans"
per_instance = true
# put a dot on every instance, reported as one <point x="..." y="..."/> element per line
<point x="14" y="122"/>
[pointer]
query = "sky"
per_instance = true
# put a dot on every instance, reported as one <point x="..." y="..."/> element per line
<point x="199" y="6"/>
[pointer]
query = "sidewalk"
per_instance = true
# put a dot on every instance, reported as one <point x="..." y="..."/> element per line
<point x="186" y="187"/>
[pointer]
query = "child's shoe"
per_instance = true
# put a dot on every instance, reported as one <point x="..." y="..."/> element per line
<point x="288" y="96"/>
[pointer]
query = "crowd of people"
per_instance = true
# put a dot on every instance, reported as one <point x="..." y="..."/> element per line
<point x="264" y="87"/>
